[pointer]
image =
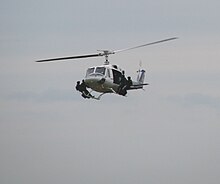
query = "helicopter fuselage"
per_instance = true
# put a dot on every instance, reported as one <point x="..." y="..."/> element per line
<point x="104" y="78"/>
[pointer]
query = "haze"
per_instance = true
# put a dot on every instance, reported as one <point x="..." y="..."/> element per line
<point x="167" y="134"/>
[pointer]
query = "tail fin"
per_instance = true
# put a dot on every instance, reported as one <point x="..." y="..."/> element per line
<point x="141" y="76"/>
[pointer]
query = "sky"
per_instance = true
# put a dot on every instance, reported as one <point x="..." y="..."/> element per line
<point x="167" y="133"/>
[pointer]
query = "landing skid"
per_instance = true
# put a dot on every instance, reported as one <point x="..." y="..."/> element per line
<point x="99" y="97"/>
<point x="89" y="95"/>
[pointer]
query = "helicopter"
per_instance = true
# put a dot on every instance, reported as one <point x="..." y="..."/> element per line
<point x="108" y="78"/>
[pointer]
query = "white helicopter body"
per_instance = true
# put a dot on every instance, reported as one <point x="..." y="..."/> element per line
<point x="106" y="78"/>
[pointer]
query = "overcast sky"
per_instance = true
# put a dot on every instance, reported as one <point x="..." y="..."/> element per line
<point x="167" y="134"/>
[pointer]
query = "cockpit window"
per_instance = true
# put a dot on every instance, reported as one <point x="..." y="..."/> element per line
<point x="100" y="70"/>
<point x="90" y="71"/>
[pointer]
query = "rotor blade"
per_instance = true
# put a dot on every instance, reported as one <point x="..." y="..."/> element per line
<point x="152" y="43"/>
<point x="70" y="57"/>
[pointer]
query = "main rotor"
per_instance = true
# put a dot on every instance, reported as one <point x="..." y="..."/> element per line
<point x="105" y="53"/>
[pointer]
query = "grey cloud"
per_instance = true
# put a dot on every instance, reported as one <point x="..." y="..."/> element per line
<point x="49" y="134"/>
<point x="52" y="95"/>
<point x="196" y="99"/>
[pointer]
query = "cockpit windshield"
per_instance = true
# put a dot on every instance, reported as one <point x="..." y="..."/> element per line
<point x="100" y="70"/>
<point x="90" y="71"/>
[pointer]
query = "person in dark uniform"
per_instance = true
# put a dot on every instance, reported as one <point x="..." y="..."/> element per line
<point x="128" y="83"/>
<point x="83" y="89"/>
<point x="122" y="84"/>
<point x="78" y="86"/>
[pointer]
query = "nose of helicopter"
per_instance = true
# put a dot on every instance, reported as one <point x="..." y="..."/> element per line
<point x="96" y="83"/>
<point x="91" y="81"/>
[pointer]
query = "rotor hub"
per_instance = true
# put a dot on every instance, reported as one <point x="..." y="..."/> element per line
<point x="106" y="53"/>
